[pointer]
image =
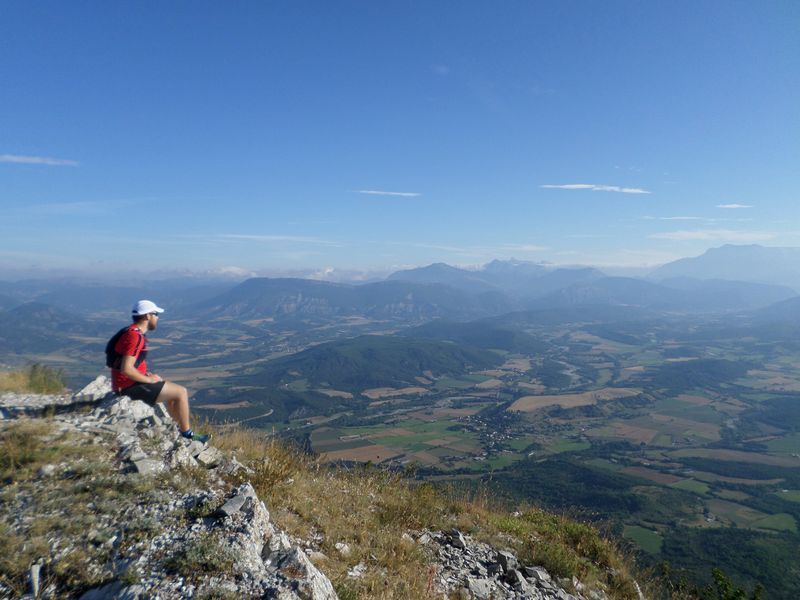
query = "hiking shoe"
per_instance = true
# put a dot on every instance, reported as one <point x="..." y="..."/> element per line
<point x="195" y="437"/>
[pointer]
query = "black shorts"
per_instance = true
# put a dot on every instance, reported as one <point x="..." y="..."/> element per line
<point x="146" y="392"/>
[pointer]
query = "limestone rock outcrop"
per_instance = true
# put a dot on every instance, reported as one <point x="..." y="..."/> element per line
<point x="209" y="540"/>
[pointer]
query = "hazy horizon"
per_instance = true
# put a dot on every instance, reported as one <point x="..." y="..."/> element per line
<point x="104" y="274"/>
<point x="323" y="273"/>
<point x="352" y="136"/>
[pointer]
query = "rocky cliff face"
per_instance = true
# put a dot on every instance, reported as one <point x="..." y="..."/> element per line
<point x="104" y="500"/>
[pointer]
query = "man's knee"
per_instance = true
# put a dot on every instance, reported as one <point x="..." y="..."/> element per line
<point x="172" y="392"/>
<point x="181" y="391"/>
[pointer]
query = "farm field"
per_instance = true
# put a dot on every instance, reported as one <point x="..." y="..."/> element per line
<point x="532" y="403"/>
<point x="779" y="522"/>
<point x="698" y="487"/>
<point x="738" y="456"/>
<point x="647" y="539"/>
<point x="379" y="393"/>
<point x="789" y="444"/>
<point x="790" y="495"/>
<point x="429" y="442"/>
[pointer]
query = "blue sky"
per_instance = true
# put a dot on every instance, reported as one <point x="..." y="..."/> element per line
<point x="290" y="136"/>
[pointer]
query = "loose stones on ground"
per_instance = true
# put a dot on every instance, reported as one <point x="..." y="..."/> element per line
<point x="266" y="563"/>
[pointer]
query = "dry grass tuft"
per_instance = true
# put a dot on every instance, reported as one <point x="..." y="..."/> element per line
<point x="70" y="505"/>
<point x="13" y="381"/>
<point x="26" y="446"/>
<point x="370" y="509"/>
<point x="37" y="379"/>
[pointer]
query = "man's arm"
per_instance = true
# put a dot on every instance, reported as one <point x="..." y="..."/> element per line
<point x="128" y="369"/>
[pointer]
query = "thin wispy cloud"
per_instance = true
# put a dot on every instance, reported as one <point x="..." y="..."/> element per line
<point x="523" y="248"/>
<point x="65" y="209"/>
<point x="705" y="219"/>
<point x="679" y="218"/>
<point x="77" y="208"/>
<point x="734" y="206"/>
<point x="431" y="246"/>
<point x="306" y="223"/>
<point x="385" y="193"/>
<point x="37" y="160"/>
<point x="243" y="237"/>
<point x="595" y="187"/>
<point x="472" y="251"/>
<point x="715" y="235"/>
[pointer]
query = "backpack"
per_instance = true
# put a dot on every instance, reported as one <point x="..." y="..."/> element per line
<point x="114" y="358"/>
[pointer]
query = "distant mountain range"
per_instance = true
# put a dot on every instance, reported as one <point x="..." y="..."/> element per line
<point x="729" y="278"/>
<point x="753" y="263"/>
<point x="285" y="298"/>
<point x="518" y="279"/>
<point x="671" y="295"/>
<point x="726" y="278"/>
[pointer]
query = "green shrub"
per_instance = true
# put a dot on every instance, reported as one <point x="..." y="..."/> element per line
<point x="724" y="589"/>
<point x="559" y="560"/>
<point x="203" y="555"/>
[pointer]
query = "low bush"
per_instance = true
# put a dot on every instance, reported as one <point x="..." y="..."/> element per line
<point x="203" y="555"/>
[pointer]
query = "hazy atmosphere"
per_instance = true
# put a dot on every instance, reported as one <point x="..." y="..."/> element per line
<point x="349" y="300"/>
<point x="358" y="136"/>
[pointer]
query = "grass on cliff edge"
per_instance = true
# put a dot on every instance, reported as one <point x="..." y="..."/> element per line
<point x="64" y="501"/>
<point x="36" y="379"/>
<point x="27" y="445"/>
<point x="370" y="509"/>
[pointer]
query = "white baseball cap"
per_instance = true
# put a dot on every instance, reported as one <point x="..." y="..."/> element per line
<point x="145" y="307"/>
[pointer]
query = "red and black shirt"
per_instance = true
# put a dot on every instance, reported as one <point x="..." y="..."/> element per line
<point x="131" y="343"/>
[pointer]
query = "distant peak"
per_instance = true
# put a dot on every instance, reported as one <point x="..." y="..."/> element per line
<point x="511" y="263"/>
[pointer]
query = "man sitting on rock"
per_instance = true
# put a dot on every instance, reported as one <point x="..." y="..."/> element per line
<point x="126" y="353"/>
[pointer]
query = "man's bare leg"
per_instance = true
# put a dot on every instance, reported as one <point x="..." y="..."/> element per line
<point x="176" y="398"/>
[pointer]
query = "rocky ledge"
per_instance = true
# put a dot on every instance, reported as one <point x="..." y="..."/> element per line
<point x="227" y="533"/>
<point x="169" y="523"/>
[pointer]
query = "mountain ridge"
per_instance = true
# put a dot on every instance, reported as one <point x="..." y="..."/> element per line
<point x="779" y="265"/>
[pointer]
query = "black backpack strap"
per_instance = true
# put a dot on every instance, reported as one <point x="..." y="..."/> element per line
<point x="140" y="352"/>
<point x="114" y="358"/>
